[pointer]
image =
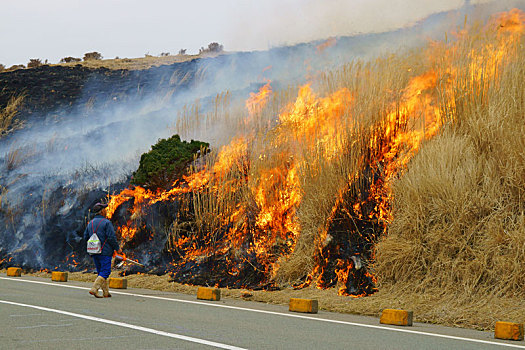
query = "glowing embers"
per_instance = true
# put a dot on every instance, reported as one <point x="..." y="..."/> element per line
<point x="5" y="261"/>
<point x="344" y="255"/>
<point x="71" y="260"/>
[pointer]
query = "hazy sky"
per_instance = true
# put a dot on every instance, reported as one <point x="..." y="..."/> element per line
<point x="53" y="29"/>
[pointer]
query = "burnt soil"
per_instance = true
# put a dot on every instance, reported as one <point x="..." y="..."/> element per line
<point x="54" y="91"/>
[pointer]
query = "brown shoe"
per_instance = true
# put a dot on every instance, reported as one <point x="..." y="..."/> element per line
<point x="96" y="286"/>
<point x="105" y="289"/>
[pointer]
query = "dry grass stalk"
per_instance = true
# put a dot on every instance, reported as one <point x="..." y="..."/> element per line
<point x="276" y="146"/>
<point x="459" y="224"/>
<point x="484" y="101"/>
<point x="8" y="122"/>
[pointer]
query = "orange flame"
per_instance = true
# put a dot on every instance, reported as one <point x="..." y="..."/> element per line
<point x="256" y="102"/>
<point x="268" y="218"/>
<point x="326" y="44"/>
<point x="512" y="22"/>
<point x="414" y="118"/>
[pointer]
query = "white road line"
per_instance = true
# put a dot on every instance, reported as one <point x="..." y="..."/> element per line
<point x="26" y="315"/>
<point x="46" y="325"/>
<point x="400" y="330"/>
<point x="127" y="325"/>
<point x="54" y="340"/>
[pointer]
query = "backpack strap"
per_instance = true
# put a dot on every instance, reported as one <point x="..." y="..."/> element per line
<point x="93" y="226"/>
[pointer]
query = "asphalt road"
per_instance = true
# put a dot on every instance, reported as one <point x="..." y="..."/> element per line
<point x="36" y="313"/>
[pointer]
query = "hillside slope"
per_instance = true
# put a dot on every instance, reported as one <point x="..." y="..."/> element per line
<point x="363" y="179"/>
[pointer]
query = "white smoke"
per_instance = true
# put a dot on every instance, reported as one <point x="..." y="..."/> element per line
<point x="87" y="150"/>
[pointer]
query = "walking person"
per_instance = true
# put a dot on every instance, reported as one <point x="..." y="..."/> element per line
<point x="101" y="242"/>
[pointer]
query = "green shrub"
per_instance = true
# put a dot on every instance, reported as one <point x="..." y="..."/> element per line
<point x="166" y="161"/>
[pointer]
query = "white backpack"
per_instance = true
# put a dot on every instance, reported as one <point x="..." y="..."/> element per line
<point x="94" y="245"/>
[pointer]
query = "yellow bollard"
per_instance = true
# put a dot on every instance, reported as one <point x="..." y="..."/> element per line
<point x="59" y="276"/>
<point x="14" y="272"/>
<point x="303" y="305"/>
<point x="396" y="317"/>
<point x="205" y="293"/>
<point x="118" y="283"/>
<point x="508" y="331"/>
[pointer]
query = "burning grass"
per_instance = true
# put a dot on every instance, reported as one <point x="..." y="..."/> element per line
<point x="399" y="179"/>
<point x="304" y="188"/>
<point x="458" y="224"/>
<point x="458" y="210"/>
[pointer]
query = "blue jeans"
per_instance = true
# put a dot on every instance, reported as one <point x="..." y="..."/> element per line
<point x="103" y="265"/>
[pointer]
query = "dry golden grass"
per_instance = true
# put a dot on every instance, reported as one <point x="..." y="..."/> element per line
<point x="322" y="179"/>
<point x="139" y="63"/>
<point x="454" y="252"/>
<point x="458" y="232"/>
<point x="8" y="122"/>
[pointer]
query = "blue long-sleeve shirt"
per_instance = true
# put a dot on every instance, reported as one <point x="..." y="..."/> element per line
<point x="105" y="232"/>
